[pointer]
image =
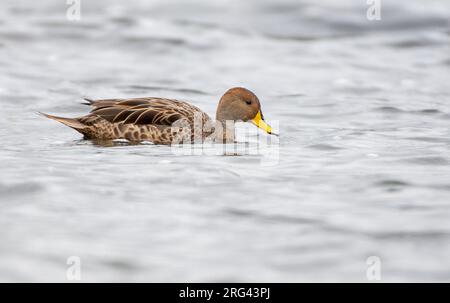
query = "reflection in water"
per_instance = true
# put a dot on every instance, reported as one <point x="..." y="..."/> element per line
<point x="113" y="143"/>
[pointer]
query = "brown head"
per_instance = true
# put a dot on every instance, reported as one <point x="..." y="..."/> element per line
<point x="240" y="104"/>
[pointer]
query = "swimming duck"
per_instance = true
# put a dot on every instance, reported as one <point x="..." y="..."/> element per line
<point x="165" y="121"/>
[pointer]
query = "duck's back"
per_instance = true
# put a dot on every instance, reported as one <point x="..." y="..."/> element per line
<point x="152" y="119"/>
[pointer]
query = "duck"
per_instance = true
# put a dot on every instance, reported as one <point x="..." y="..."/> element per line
<point x="167" y="121"/>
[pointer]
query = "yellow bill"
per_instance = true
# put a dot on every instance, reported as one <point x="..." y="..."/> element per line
<point x="259" y="122"/>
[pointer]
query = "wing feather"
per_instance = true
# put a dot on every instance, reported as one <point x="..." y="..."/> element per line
<point x="141" y="111"/>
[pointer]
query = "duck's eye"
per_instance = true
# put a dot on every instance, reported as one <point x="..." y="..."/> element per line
<point x="248" y="102"/>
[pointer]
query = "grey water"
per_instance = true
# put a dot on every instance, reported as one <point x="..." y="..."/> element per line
<point x="362" y="165"/>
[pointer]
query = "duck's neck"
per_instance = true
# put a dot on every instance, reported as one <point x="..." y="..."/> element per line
<point x="225" y="131"/>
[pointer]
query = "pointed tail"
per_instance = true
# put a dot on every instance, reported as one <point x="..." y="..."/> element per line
<point x="73" y="123"/>
<point x="88" y="101"/>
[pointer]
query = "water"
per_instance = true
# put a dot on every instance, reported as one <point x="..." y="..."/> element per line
<point x="363" y="157"/>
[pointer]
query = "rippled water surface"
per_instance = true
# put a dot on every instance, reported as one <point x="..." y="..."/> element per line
<point x="363" y="167"/>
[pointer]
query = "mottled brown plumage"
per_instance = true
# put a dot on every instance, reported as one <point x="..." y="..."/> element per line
<point x="159" y="120"/>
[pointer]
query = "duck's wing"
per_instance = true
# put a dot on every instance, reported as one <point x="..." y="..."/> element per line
<point x="150" y="110"/>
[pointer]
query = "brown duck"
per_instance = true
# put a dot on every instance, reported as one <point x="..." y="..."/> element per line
<point x="165" y="121"/>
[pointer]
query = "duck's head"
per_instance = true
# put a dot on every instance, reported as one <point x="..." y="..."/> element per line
<point x="239" y="103"/>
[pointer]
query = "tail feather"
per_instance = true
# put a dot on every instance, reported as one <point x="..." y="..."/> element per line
<point x="88" y="101"/>
<point x="73" y="123"/>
